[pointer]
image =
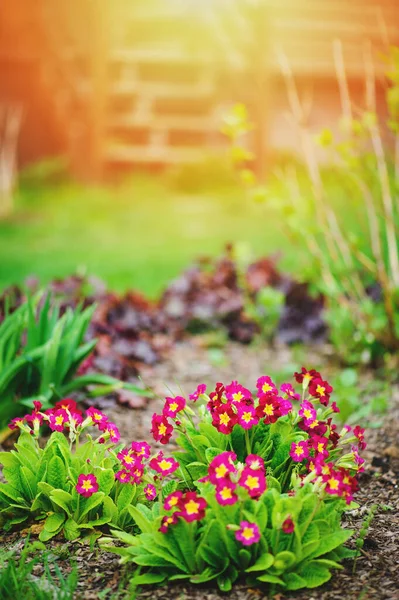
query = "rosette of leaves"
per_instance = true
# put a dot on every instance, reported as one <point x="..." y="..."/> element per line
<point x="202" y="442"/>
<point x="40" y="484"/>
<point x="208" y="550"/>
<point x="40" y="354"/>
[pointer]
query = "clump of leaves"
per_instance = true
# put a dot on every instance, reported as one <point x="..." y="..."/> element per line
<point x="75" y="488"/>
<point x="18" y="577"/>
<point x="41" y="352"/>
<point x="265" y="478"/>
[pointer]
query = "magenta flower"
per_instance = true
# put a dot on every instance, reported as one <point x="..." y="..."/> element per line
<point x="255" y="462"/>
<point x="225" y="493"/>
<point x="67" y="404"/>
<point x="221" y="467"/>
<point x="224" y="418"/>
<point x="58" y="419"/>
<point x="150" y="492"/>
<point x="163" y="466"/>
<point x="253" y="481"/>
<point x="359" y="433"/>
<point x="98" y="418"/>
<point x="265" y="386"/>
<point x="123" y="476"/>
<point x="288" y="525"/>
<point x="161" y="429"/>
<point x="247" y="417"/>
<point x="35" y="419"/>
<point x="236" y="393"/>
<point x="16" y="423"/>
<point x="167" y="521"/>
<point x="248" y="533"/>
<point x="307" y="412"/>
<point x="320" y="389"/>
<point x="112" y="431"/>
<point x="192" y="507"/>
<point x="87" y="485"/>
<point x="127" y="458"/>
<point x="320" y="445"/>
<point x="201" y="389"/>
<point x="173" y="500"/>
<point x="299" y="451"/>
<point x="288" y="390"/>
<point x="173" y="406"/>
<point x="269" y="409"/>
<point x="141" y="449"/>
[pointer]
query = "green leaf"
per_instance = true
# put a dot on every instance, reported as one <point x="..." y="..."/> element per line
<point x="141" y="521"/>
<point x="105" y="480"/>
<point x="125" y="496"/>
<point x="244" y="557"/>
<point x="314" y="574"/>
<point x="270" y="579"/>
<point x="148" y="579"/>
<point x="293" y="581"/>
<point x="224" y="582"/>
<point x="56" y="473"/>
<point x="211" y="453"/>
<point x="284" y="560"/>
<point x="263" y="563"/>
<point x="88" y="504"/>
<point x="329" y="542"/>
<point x="54" y="522"/>
<point x="71" y="530"/>
<point x="63" y="499"/>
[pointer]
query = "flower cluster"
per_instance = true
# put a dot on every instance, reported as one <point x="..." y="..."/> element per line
<point x="189" y="506"/>
<point x="162" y="429"/>
<point x="65" y="416"/>
<point x="234" y="404"/>
<point x="227" y="477"/>
<point x="138" y="467"/>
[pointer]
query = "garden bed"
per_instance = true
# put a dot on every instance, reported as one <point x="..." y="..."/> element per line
<point x="376" y="574"/>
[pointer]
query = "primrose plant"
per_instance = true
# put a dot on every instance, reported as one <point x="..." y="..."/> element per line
<point x="75" y="483"/>
<point x="263" y="481"/>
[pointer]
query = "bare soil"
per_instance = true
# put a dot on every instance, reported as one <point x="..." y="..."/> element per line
<point x="376" y="572"/>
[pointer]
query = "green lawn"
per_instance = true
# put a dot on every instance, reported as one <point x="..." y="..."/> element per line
<point x="136" y="235"/>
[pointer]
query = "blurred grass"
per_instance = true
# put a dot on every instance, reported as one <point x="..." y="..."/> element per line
<point x="136" y="235"/>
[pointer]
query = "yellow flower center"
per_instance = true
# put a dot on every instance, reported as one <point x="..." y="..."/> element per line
<point x="173" y="501"/>
<point x="320" y="447"/>
<point x="162" y="429"/>
<point x="247" y="533"/>
<point x="247" y="417"/>
<point x="224" y="419"/>
<point x="174" y="406"/>
<point x="59" y="420"/>
<point x="307" y="413"/>
<point x="320" y="390"/>
<point x="314" y="424"/>
<point x="268" y="410"/>
<point x="333" y="483"/>
<point x="96" y="417"/>
<point x="298" y="451"/>
<point x="87" y="485"/>
<point x="221" y="471"/>
<point x="129" y="459"/>
<point x="165" y="464"/>
<point x="252" y="482"/>
<point x="266" y="387"/>
<point x="192" y="507"/>
<point x="237" y="396"/>
<point x="226" y="493"/>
